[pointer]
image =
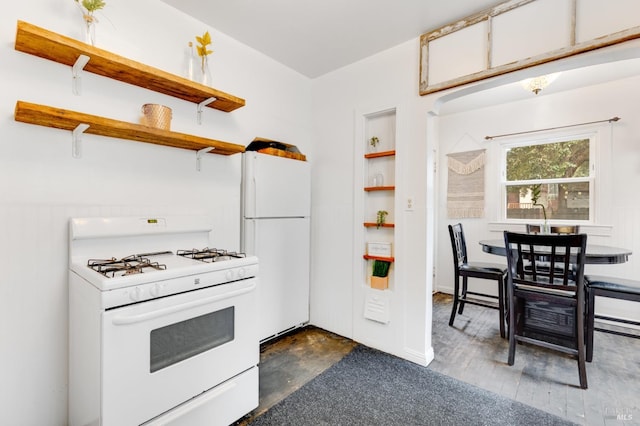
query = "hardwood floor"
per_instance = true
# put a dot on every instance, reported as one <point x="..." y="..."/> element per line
<point x="472" y="351"/>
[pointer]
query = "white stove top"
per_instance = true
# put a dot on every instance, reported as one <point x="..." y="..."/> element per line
<point x="118" y="238"/>
<point x="176" y="266"/>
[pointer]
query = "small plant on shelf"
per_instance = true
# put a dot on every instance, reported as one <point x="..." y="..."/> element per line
<point x="88" y="7"/>
<point x="374" y="141"/>
<point x="203" y="51"/>
<point x="380" y="268"/>
<point x="381" y="218"/>
<point x="380" y="274"/>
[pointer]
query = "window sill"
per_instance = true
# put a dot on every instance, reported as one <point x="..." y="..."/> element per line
<point x="589" y="229"/>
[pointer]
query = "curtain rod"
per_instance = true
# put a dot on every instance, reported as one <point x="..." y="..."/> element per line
<point x="552" y="128"/>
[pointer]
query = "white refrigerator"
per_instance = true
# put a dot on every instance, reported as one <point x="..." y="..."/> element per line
<point x="276" y="207"/>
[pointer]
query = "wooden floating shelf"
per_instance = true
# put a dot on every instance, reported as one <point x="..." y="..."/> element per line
<point x="68" y="120"/>
<point x="379" y="188"/>
<point x="380" y="154"/>
<point x="386" y="259"/>
<point x="286" y="154"/>
<point x="65" y="50"/>
<point x="375" y="225"/>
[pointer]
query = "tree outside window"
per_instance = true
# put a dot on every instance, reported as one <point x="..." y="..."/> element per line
<point x="556" y="176"/>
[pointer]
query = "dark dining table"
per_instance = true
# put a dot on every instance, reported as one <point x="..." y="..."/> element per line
<point x="596" y="254"/>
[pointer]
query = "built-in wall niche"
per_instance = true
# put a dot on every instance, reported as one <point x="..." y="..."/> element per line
<point x="379" y="195"/>
<point x="518" y="34"/>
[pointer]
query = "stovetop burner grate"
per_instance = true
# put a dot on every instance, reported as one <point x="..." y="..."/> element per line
<point x="210" y="254"/>
<point x="134" y="264"/>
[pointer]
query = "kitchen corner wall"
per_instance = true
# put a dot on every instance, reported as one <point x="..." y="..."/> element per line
<point x="385" y="81"/>
<point x="42" y="186"/>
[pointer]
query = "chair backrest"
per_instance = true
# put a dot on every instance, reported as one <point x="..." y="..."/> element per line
<point x="554" y="261"/>
<point x="547" y="309"/>
<point x="458" y="245"/>
<point x="554" y="229"/>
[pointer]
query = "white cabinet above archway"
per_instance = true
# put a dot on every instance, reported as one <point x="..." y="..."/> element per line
<point x="521" y="33"/>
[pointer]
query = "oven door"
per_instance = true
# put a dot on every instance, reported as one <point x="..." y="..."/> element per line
<point x="161" y="353"/>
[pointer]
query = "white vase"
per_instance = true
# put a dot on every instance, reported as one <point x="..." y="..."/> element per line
<point x="89" y="29"/>
<point x="378" y="179"/>
<point x="204" y="72"/>
<point x="189" y="63"/>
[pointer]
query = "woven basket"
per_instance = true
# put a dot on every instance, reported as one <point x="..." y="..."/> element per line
<point x="158" y="116"/>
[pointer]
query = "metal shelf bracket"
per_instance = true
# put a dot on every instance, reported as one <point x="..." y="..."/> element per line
<point x="202" y="105"/>
<point x="77" y="73"/>
<point x="199" y="154"/>
<point x="76" y="146"/>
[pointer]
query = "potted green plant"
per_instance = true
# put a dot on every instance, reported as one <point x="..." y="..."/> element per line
<point x="381" y="217"/>
<point x="380" y="274"/>
<point x="373" y="143"/>
<point x="203" y="51"/>
<point x="535" y="196"/>
<point x="88" y="9"/>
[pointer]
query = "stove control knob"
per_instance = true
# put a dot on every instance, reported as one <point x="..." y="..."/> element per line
<point x="155" y="290"/>
<point x="135" y="294"/>
<point x="242" y="272"/>
<point x="229" y="275"/>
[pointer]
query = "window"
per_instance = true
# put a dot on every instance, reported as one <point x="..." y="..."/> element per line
<point x="549" y="179"/>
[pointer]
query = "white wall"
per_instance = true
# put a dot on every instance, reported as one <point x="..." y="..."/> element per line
<point x="386" y="80"/>
<point x="41" y="185"/>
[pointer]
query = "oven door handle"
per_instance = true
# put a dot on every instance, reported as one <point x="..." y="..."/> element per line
<point x="133" y="319"/>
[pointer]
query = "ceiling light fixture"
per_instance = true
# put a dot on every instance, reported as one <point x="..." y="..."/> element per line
<point x="536" y="84"/>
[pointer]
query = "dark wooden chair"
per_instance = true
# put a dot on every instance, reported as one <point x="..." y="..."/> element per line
<point x="547" y="308"/>
<point x="553" y="229"/>
<point x="616" y="288"/>
<point x="464" y="269"/>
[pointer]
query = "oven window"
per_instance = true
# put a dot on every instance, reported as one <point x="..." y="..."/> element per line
<point x="177" y="342"/>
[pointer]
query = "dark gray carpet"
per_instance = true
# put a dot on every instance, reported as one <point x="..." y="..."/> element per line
<point x="369" y="387"/>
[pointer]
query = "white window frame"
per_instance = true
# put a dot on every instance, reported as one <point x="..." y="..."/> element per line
<point x="594" y="162"/>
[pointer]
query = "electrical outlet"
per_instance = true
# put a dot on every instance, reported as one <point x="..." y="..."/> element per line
<point x="410" y="202"/>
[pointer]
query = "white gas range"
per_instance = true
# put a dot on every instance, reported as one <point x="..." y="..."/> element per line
<point x="160" y="332"/>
